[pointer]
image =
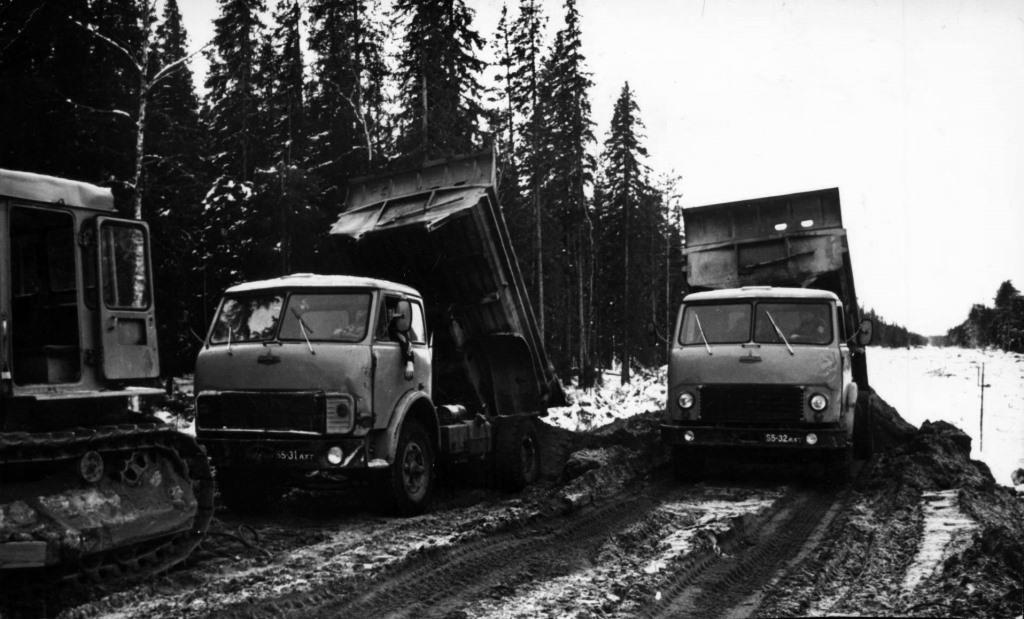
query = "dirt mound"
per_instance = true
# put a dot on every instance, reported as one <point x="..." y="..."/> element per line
<point x="927" y="532"/>
<point x="888" y="428"/>
<point x="987" y="577"/>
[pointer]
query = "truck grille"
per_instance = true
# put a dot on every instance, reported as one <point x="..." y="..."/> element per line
<point x="302" y="411"/>
<point x="751" y="403"/>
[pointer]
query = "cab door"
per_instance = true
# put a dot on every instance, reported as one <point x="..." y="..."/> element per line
<point x="389" y="381"/>
<point x="127" y="322"/>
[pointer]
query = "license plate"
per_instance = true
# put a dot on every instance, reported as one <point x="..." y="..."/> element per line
<point x="293" y="455"/>
<point x="269" y="454"/>
<point x="782" y="438"/>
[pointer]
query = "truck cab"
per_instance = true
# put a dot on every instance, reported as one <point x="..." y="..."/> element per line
<point x="768" y="350"/>
<point x="311" y="379"/>
<point x="302" y="376"/>
<point x="761" y="366"/>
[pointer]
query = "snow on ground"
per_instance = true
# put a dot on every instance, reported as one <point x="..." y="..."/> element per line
<point x="924" y="384"/>
<point x="610" y="400"/>
<point x="932" y="384"/>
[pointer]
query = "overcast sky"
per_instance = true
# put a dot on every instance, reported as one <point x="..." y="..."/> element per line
<point x="914" y="109"/>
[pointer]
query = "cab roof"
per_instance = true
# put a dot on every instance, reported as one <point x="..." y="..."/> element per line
<point x="312" y="280"/>
<point x="50" y="189"/>
<point x="761" y="292"/>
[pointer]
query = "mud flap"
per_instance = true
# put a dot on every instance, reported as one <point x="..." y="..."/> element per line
<point x="863" y="431"/>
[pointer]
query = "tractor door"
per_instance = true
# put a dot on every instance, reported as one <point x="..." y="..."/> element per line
<point x="127" y="329"/>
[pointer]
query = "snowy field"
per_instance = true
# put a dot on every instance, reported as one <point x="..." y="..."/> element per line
<point x="930" y="383"/>
<point x="924" y="384"/>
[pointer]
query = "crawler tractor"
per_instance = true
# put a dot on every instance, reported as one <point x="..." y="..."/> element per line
<point x="90" y="488"/>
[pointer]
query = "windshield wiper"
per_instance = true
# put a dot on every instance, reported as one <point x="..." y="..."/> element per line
<point x="700" y="329"/>
<point x="303" y="327"/>
<point x="779" y="331"/>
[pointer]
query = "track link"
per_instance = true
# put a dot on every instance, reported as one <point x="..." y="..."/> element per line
<point x="114" y="566"/>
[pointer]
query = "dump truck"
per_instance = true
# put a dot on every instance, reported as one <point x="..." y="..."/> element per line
<point x="768" y="349"/>
<point x="91" y="488"/>
<point x="425" y="351"/>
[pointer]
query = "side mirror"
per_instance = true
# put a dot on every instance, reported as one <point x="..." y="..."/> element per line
<point x="402" y="313"/>
<point x="864" y="332"/>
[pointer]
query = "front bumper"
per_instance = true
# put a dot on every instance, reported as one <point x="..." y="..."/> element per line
<point x="789" y="437"/>
<point x="298" y="454"/>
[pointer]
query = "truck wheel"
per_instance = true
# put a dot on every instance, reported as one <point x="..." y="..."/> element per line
<point x="863" y="436"/>
<point x="517" y="454"/>
<point x="687" y="463"/>
<point x="247" y="491"/>
<point x="411" y="477"/>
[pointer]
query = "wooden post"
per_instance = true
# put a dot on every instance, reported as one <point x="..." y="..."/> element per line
<point x="981" y="416"/>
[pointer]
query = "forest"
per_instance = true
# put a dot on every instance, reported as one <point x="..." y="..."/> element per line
<point x="1000" y="326"/>
<point x="240" y="179"/>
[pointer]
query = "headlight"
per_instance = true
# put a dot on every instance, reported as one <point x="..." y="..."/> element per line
<point x="339" y="408"/>
<point x="812" y="439"/>
<point x="818" y="402"/>
<point x="685" y="400"/>
<point x="334" y="455"/>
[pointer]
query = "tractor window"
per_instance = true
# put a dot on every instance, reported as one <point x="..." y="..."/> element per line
<point x="44" y="321"/>
<point x="123" y="260"/>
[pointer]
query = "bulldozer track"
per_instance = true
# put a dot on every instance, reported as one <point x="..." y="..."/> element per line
<point x="118" y="565"/>
<point x="437" y="583"/>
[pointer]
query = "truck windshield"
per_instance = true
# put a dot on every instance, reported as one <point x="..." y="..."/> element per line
<point x="249" y="318"/>
<point x="800" y="323"/>
<point x="718" y="324"/>
<point x="331" y="317"/>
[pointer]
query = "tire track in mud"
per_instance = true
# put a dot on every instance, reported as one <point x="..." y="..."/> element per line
<point x="437" y="582"/>
<point x="719" y="580"/>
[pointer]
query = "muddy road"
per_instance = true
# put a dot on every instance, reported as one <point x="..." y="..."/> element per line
<point x="920" y="530"/>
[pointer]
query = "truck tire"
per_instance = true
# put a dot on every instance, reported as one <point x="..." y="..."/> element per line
<point x="687" y="463"/>
<point x="411" y="476"/>
<point x="516" y="454"/>
<point x="247" y="491"/>
<point x="863" y="435"/>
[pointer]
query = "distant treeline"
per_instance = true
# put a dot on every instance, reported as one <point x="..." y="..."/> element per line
<point x="890" y="335"/>
<point x="1001" y="326"/>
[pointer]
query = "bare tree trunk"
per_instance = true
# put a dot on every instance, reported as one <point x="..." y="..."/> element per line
<point x="624" y="312"/>
<point x="539" y="248"/>
<point x="426" y="125"/>
<point x="140" y="122"/>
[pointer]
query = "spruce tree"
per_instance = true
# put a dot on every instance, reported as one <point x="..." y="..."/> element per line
<point x="231" y="120"/>
<point x="624" y="189"/>
<point x="502" y="120"/>
<point x="283" y="185"/>
<point x="175" y="176"/>
<point x="530" y="130"/>
<point x="350" y="131"/>
<point x="440" y="111"/>
<point x="569" y="166"/>
<point x="347" y="101"/>
<point x="67" y="101"/>
<point x="232" y="84"/>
